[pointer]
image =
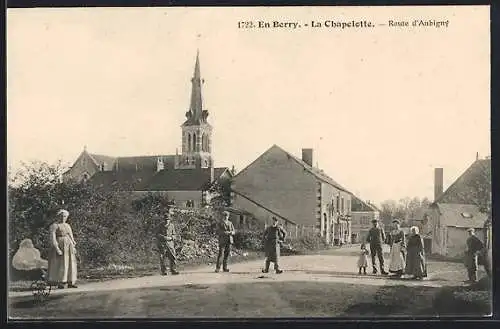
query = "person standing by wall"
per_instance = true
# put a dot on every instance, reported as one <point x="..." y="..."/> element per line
<point x="166" y="245"/>
<point x="376" y="238"/>
<point x="273" y="238"/>
<point x="62" y="264"/>
<point x="225" y="232"/>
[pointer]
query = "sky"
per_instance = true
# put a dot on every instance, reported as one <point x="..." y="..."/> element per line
<point x="381" y="107"/>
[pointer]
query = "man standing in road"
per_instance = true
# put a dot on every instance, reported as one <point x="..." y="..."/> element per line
<point x="166" y="237"/>
<point x="273" y="238"/>
<point x="226" y="233"/>
<point x="376" y="238"/>
<point x="473" y="247"/>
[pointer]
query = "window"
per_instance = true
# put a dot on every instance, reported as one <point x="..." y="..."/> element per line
<point x="195" y="143"/>
<point x="189" y="142"/>
<point x="242" y="220"/>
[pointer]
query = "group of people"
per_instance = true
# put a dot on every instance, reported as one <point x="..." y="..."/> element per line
<point x="273" y="237"/>
<point x="407" y="256"/>
<point x="62" y="262"/>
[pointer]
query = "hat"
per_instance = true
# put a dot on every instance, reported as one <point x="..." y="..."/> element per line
<point x="63" y="212"/>
<point x="275" y="219"/>
<point x="470" y="230"/>
<point x="397" y="221"/>
<point x="375" y="220"/>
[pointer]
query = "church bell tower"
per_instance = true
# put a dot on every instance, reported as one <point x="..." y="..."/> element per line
<point x="196" y="131"/>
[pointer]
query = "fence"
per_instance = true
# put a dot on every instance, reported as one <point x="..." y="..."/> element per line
<point x="297" y="231"/>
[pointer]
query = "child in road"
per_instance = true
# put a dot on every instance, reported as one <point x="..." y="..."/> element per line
<point x="363" y="259"/>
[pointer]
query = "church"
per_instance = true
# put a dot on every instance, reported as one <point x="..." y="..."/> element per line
<point x="183" y="178"/>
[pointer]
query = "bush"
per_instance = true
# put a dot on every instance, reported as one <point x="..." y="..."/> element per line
<point x="249" y="240"/>
<point x="307" y="243"/>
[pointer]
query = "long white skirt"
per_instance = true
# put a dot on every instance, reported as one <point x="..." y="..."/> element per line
<point x="397" y="260"/>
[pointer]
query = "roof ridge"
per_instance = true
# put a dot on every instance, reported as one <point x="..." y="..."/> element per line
<point x="455" y="183"/>
<point x="317" y="173"/>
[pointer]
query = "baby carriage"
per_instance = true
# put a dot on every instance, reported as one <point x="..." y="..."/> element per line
<point x="27" y="259"/>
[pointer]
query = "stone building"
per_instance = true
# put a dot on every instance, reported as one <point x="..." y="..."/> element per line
<point x="362" y="215"/>
<point x="183" y="177"/>
<point x="279" y="184"/>
<point x="463" y="205"/>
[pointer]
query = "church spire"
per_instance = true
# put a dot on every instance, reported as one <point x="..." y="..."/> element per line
<point x="196" y="114"/>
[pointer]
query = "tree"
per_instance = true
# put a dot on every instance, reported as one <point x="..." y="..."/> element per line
<point x="35" y="193"/>
<point x="406" y="209"/>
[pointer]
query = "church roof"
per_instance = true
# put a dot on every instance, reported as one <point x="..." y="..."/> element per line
<point x="103" y="159"/>
<point x="182" y="179"/>
<point x="164" y="180"/>
<point x="126" y="180"/>
<point x="146" y="162"/>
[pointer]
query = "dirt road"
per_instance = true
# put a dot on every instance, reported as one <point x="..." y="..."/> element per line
<point x="334" y="266"/>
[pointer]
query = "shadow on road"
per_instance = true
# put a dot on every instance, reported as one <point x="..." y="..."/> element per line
<point x="29" y="302"/>
<point x="347" y="274"/>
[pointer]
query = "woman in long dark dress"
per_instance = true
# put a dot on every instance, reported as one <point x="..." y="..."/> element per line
<point x="415" y="256"/>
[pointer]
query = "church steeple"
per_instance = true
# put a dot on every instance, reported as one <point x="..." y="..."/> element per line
<point x="196" y="131"/>
<point x="196" y="113"/>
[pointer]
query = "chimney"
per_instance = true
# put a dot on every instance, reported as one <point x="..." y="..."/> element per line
<point x="307" y="156"/>
<point x="438" y="183"/>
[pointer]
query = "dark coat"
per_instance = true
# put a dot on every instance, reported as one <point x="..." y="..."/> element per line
<point x="376" y="236"/>
<point x="473" y="254"/>
<point x="415" y="257"/>
<point x="273" y="237"/>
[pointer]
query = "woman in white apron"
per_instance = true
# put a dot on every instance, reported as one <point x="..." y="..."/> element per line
<point x="397" y="242"/>
<point x="62" y="255"/>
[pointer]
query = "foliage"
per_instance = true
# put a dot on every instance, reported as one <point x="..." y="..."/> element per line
<point x="115" y="227"/>
<point x="308" y="243"/>
<point x="249" y="240"/>
<point x="406" y="209"/>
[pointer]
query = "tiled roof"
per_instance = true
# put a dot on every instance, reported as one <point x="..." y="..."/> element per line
<point x="461" y="215"/>
<point x="123" y="180"/>
<point x="99" y="159"/>
<point x="146" y="162"/>
<point x="359" y="205"/>
<point x="182" y="179"/>
<point x="315" y="171"/>
<point x="473" y="184"/>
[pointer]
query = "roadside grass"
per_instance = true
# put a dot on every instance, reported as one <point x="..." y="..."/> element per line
<point x="263" y="299"/>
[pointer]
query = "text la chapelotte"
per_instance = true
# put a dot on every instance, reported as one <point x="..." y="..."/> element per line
<point x="333" y="24"/>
